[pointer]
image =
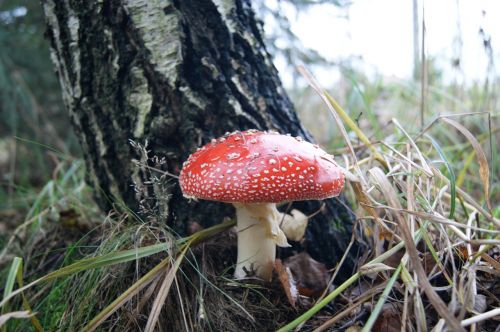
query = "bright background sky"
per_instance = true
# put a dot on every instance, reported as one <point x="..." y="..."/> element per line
<point x="380" y="33"/>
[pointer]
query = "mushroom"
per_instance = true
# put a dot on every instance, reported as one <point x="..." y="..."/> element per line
<point x="254" y="171"/>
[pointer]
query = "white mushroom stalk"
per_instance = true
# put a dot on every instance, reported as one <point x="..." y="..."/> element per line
<point x="258" y="234"/>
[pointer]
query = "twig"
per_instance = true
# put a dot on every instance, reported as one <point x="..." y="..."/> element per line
<point x="478" y="318"/>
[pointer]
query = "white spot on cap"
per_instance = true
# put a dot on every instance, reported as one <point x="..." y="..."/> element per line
<point x="233" y="155"/>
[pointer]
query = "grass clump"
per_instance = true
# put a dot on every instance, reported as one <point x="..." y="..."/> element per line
<point x="404" y="199"/>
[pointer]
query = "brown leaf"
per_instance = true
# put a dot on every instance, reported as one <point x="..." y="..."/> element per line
<point x="493" y="263"/>
<point x="484" y="170"/>
<point x="395" y="259"/>
<point x="311" y="275"/>
<point x="287" y="282"/>
<point x="389" y="319"/>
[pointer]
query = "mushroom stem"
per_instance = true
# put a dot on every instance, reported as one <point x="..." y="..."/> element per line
<point x="258" y="235"/>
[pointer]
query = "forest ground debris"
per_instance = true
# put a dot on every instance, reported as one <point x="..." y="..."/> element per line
<point x="423" y="198"/>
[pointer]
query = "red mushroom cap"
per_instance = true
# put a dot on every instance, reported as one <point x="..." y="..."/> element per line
<point x="260" y="167"/>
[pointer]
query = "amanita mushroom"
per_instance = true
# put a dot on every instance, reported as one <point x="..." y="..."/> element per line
<point x="254" y="170"/>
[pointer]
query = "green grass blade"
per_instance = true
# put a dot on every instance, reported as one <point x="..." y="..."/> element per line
<point x="9" y="285"/>
<point x="451" y="174"/>
<point x="16" y="273"/>
<point x="59" y="153"/>
<point x="93" y="263"/>
<point x="107" y="260"/>
<point x="381" y="301"/>
<point x="11" y="278"/>
<point x="435" y="256"/>
<point x="354" y="127"/>
<point x="318" y="306"/>
<point x="372" y="117"/>
<point x="34" y="321"/>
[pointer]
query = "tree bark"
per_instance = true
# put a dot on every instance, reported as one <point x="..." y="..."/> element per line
<point x="174" y="73"/>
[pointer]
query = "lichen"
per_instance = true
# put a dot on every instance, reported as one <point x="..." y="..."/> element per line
<point x="74" y="26"/>
<point x="225" y="7"/>
<point x="193" y="98"/>
<point x="57" y="48"/>
<point x="161" y="33"/>
<point x="140" y="99"/>
<point x="238" y="110"/>
<point x="227" y="10"/>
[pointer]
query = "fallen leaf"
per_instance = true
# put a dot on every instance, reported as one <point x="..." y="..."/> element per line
<point x="287" y="281"/>
<point x="311" y="276"/>
<point x="389" y="319"/>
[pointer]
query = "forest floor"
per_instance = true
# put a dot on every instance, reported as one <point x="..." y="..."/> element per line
<point x="426" y="201"/>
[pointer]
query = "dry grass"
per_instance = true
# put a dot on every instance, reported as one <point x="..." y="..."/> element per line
<point x="445" y="272"/>
<point x="432" y="227"/>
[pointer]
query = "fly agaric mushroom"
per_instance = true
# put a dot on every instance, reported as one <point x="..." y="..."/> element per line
<point x="254" y="170"/>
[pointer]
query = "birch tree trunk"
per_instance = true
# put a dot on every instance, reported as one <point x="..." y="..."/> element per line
<point x="175" y="74"/>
